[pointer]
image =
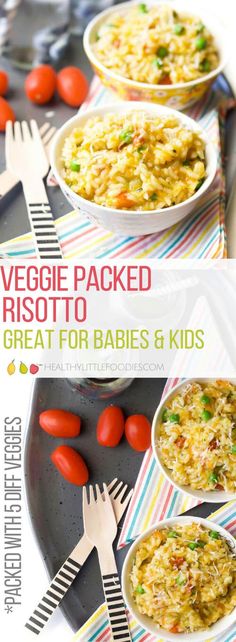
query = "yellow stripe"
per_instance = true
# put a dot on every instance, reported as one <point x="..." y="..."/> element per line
<point x="100" y="611"/>
<point x="203" y="234"/>
<point x="69" y="255"/>
<point x="153" y="502"/>
<point x="222" y="509"/>
<point x="185" y="504"/>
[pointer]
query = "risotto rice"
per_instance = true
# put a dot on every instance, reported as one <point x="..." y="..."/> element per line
<point x="184" y="578"/>
<point x="197" y="437"/>
<point x="156" y="45"/>
<point x="134" y="161"/>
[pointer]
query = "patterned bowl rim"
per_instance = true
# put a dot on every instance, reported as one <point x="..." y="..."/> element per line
<point x="142" y="85"/>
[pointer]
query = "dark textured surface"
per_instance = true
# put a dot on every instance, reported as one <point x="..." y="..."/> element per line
<point x="55" y="505"/>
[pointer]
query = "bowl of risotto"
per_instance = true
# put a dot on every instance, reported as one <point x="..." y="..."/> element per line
<point x="133" y="168"/>
<point x="156" y="52"/>
<point x="179" y="579"/>
<point x="194" y="438"/>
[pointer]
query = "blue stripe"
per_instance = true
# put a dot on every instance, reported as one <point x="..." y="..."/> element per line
<point x="187" y="227"/>
<point x="212" y="238"/>
<point x="101" y="628"/>
<point x="20" y="252"/>
<point x="172" y="503"/>
<point x="115" y="247"/>
<point x="149" y="475"/>
<point x="75" y="229"/>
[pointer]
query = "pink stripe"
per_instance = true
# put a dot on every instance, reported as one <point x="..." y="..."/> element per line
<point x="78" y="236"/>
<point x="231" y="524"/>
<point x="194" y="231"/>
<point x="104" y="633"/>
<point x="171" y="488"/>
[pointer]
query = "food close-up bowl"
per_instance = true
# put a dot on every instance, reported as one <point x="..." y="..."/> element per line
<point x="129" y="221"/>
<point x="184" y="581"/>
<point x="163" y="90"/>
<point x="198" y="447"/>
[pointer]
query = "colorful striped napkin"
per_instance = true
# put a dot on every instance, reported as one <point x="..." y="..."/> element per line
<point x="200" y="236"/>
<point x="96" y="629"/>
<point x="154" y="496"/>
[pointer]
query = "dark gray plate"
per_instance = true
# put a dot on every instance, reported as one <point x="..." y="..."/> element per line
<point x="55" y="505"/>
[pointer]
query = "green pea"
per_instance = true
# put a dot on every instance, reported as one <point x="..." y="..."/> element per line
<point x="205" y="400"/>
<point x="141" y="148"/>
<point x="213" y="478"/>
<point x="214" y="534"/>
<point x="158" y="63"/>
<point x="198" y="544"/>
<point x="206" y="415"/>
<point x="162" y="52"/>
<point x="165" y="415"/>
<point x="205" y="65"/>
<point x="186" y="163"/>
<point x="199" y="184"/>
<point x="174" y="418"/>
<point x="180" y="580"/>
<point x="75" y="166"/>
<point x="233" y="449"/>
<point x="143" y="7"/>
<point x="139" y="589"/>
<point x="126" y="135"/>
<point x="153" y="197"/>
<point x="179" y="29"/>
<point x="201" y="43"/>
<point x="172" y="534"/>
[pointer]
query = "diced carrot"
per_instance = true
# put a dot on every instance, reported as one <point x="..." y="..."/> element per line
<point x="116" y="43"/>
<point x="213" y="444"/>
<point x="165" y="80"/>
<point x="175" y="629"/>
<point x="123" y="201"/>
<point x="177" y="561"/>
<point x="219" y="487"/>
<point x="180" y="441"/>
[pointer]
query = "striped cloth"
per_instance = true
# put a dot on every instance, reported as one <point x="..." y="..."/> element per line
<point x="202" y="235"/>
<point x="96" y="629"/>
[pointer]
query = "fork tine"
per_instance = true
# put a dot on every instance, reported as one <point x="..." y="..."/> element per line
<point x="44" y="128"/>
<point x="98" y="492"/>
<point x="9" y="130"/>
<point x="17" y="132"/>
<point x="127" y="499"/>
<point x="35" y="130"/>
<point x="112" y="485"/>
<point x="117" y="489"/>
<point x="106" y="493"/>
<point x="48" y="135"/>
<point x="84" y="498"/>
<point x="121" y="495"/>
<point x="25" y="131"/>
<point x="91" y="495"/>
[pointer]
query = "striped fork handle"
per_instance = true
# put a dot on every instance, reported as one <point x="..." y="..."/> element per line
<point x="116" y="608"/>
<point x="42" y="223"/>
<point x="53" y="596"/>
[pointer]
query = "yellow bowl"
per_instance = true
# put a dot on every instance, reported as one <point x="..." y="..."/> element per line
<point x="179" y="96"/>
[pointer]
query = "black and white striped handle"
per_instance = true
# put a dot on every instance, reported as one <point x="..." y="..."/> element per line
<point x="53" y="596"/>
<point x="44" y="230"/>
<point x="116" y="608"/>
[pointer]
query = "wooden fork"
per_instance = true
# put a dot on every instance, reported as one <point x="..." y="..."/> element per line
<point x="8" y="180"/>
<point x="27" y="160"/>
<point x="101" y="528"/>
<point x="71" y="567"/>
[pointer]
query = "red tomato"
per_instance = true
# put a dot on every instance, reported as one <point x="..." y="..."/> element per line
<point x="60" y="423"/>
<point x="40" y="84"/>
<point x="138" y="432"/>
<point x="6" y="113"/>
<point x="72" y="86"/>
<point x="110" y="426"/>
<point x="71" y="465"/>
<point x="3" y="83"/>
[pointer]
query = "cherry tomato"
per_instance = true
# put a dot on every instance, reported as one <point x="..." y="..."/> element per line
<point x="72" y="86"/>
<point x="3" y="83"/>
<point x="40" y="84"/>
<point x="60" y="423"/>
<point x="138" y="432"/>
<point x="6" y="113"/>
<point x="71" y="465"/>
<point x="110" y="426"/>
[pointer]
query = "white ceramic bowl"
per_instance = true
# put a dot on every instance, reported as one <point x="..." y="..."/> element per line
<point x="213" y="496"/>
<point x="180" y="95"/>
<point x="146" y="622"/>
<point x="126" y="222"/>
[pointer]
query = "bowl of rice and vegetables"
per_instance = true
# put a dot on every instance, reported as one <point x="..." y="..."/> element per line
<point x="133" y="168"/>
<point x="179" y="579"/>
<point x="156" y="52"/>
<point x="194" y="438"/>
